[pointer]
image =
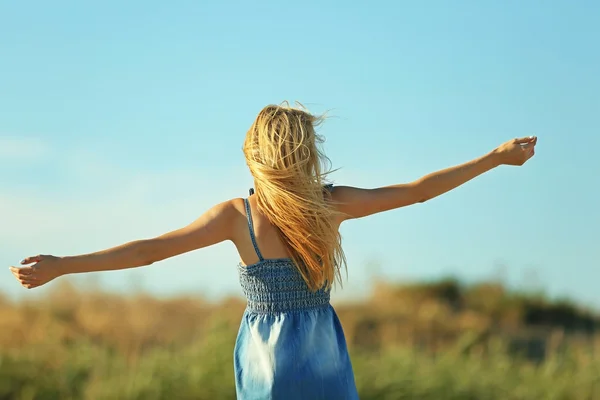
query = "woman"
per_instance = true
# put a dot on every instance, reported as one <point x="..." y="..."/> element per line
<point x="290" y="344"/>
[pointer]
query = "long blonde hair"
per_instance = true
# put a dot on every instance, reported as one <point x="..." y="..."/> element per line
<point x="282" y="152"/>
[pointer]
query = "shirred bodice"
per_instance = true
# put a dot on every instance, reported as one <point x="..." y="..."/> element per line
<point x="276" y="285"/>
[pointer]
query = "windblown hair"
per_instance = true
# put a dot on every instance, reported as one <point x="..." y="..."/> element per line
<point x="282" y="152"/>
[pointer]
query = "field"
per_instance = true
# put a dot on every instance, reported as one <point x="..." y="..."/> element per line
<point x="437" y="340"/>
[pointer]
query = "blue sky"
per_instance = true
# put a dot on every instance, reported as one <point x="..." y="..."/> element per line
<point x="123" y="120"/>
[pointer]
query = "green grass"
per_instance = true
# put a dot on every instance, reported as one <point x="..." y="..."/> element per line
<point x="98" y="346"/>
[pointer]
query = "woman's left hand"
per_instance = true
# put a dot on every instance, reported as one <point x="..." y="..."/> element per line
<point x="44" y="269"/>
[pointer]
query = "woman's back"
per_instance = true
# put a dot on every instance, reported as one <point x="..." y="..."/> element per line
<point x="290" y="344"/>
<point x="266" y="235"/>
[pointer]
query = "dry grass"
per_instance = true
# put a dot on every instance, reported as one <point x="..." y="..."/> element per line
<point x="428" y="341"/>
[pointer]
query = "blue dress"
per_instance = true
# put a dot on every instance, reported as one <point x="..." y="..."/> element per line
<point x="290" y="344"/>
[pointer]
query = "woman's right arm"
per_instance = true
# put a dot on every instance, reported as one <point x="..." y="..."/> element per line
<point x="356" y="202"/>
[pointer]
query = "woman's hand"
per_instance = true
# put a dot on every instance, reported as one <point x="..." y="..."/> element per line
<point x="43" y="270"/>
<point x="516" y="151"/>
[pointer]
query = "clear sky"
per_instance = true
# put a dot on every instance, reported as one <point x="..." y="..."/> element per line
<point x="122" y="120"/>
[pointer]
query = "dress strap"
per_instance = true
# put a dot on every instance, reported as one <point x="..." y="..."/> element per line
<point x="251" y="229"/>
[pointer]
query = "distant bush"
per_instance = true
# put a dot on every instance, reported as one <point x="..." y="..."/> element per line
<point x="436" y="340"/>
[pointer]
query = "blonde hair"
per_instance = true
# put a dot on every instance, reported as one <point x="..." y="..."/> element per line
<point x="282" y="152"/>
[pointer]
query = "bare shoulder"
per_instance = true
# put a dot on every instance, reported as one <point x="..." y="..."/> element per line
<point x="237" y="217"/>
<point x="218" y="221"/>
<point x="221" y="222"/>
<point x="226" y="211"/>
<point x="236" y="211"/>
<point x="236" y="206"/>
<point x="215" y="225"/>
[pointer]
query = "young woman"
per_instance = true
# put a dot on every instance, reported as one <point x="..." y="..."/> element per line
<point x="290" y="344"/>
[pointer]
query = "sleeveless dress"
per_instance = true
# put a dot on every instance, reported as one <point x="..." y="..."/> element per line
<point x="290" y="344"/>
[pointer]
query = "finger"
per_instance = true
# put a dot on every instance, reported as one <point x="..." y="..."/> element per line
<point x="528" y="154"/>
<point x="528" y="146"/>
<point x="32" y="259"/>
<point x="528" y="139"/>
<point x="30" y="285"/>
<point x="28" y="280"/>
<point x="14" y="271"/>
<point x="18" y="279"/>
<point x="24" y="271"/>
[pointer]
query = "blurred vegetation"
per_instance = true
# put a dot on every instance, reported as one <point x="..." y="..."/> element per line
<point x="438" y="340"/>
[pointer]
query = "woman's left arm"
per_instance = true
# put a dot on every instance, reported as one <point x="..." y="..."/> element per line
<point x="214" y="226"/>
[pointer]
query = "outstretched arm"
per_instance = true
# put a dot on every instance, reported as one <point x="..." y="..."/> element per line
<point x="214" y="226"/>
<point x="356" y="203"/>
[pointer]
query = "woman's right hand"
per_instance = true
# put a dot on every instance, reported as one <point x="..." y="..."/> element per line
<point x="516" y="151"/>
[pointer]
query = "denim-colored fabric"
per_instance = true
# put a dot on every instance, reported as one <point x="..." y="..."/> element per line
<point x="290" y="344"/>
